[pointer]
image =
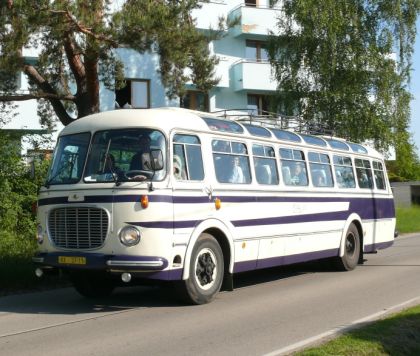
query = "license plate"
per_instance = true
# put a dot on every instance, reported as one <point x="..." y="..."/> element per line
<point x="72" y="260"/>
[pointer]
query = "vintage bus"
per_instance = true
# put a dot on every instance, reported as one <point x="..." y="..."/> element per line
<point x="176" y="195"/>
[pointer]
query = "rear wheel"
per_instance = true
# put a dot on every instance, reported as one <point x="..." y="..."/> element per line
<point x="351" y="254"/>
<point x="92" y="284"/>
<point x="206" y="272"/>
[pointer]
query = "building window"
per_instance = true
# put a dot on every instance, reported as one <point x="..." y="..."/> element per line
<point x="252" y="3"/>
<point x="135" y="94"/>
<point x="195" y="100"/>
<point x="259" y="103"/>
<point x="256" y="51"/>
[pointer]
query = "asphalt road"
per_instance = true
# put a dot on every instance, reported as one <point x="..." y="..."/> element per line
<point x="266" y="313"/>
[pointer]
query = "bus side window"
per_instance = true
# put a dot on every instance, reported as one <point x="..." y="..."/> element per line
<point x="378" y="173"/>
<point x="364" y="173"/>
<point x="293" y="167"/>
<point x="265" y="165"/>
<point x="231" y="162"/>
<point x="320" y="167"/>
<point x="344" y="175"/>
<point x="187" y="159"/>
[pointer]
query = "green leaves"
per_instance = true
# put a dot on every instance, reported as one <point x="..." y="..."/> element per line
<point x="18" y="191"/>
<point x="335" y="61"/>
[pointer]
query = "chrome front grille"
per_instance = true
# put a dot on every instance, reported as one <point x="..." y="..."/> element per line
<point x="78" y="227"/>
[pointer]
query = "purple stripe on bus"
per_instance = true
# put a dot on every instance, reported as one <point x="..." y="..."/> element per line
<point x="152" y="224"/>
<point x="165" y="224"/>
<point x="283" y="260"/>
<point x="133" y="198"/>
<point x="292" y="219"/>
<point x="205" y="199"/>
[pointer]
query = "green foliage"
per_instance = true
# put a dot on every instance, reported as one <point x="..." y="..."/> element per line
<point x="396" y="335"/>
<point x="18" y="192"/>
<point x="408" y="219"/>
<point x="77" y="41"/>
<point x="332" y="60"/>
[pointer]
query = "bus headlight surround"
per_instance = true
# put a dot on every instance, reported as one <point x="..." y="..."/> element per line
<point x="129" y="236"/>
<point x="39" y="234"/>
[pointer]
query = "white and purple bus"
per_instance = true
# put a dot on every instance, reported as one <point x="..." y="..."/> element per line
<point x="176" y="195"/>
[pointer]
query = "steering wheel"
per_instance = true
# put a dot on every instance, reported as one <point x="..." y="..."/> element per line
<point x="139" y="174"/>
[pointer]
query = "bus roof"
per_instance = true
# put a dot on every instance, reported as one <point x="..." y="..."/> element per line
<point x="168" y="118"/>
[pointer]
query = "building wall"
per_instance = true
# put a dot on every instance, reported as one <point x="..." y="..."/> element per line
<point x="406" y="193"/>
<point x="402" y="196"/>
<point x="238" y="76"/>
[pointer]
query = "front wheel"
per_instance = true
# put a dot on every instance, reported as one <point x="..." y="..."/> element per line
<point x="206" y="272"/>
<point x="351" y="255"/>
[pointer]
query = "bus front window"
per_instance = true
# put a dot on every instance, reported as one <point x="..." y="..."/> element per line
<point x="69" y="159"/>
<point x="124" y="155"/>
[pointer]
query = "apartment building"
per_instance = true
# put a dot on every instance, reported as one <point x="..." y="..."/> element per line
<point x="244" y="71"/>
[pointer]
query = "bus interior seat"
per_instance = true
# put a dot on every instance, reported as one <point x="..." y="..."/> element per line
<point x="287" y="177"/>
<point x="263" y="173"/>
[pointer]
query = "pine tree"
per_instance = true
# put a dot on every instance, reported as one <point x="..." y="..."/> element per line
<point x="77" y="40"/>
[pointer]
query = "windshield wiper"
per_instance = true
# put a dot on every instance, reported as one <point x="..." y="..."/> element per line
<point x="110" y="164"/>
<point x="61" y="170"/>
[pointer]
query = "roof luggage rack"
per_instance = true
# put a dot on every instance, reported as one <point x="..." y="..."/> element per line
<point x="274" y="120"/>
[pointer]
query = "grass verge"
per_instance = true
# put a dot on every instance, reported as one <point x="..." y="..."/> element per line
<point x="397" y="335"/>
<point x="408" y="219"/>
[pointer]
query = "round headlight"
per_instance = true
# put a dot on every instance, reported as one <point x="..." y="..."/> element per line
<point x="129" y="236"/>
<point x="39" y="234"/>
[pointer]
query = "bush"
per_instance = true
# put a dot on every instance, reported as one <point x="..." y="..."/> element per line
<point x="18" y="193"/>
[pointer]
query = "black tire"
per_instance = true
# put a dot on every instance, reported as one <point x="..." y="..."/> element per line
<point x="351" y="255"/>
<point x="92" y="284"/>
<point x="206" y="272"/>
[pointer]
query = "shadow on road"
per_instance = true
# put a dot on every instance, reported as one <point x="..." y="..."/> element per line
<point x="247" y="279"/>
<point x="68" y="302"/>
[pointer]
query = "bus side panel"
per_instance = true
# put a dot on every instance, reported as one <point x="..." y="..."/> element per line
<point x="378" y="220"/>
<point x="289" y="231"/>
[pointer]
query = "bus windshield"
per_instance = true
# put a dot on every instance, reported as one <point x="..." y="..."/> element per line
<point x="114" y="156"/>
<point x="124" y="155"/>
<point x="69" y="159"/>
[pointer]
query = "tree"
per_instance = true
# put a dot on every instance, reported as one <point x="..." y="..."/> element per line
<point x="335" y="65"/>
<point x="77" y="40"/>
<point x="18" y="192"/>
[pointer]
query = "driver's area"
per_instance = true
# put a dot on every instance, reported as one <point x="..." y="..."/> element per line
<point x="125" y="155"/>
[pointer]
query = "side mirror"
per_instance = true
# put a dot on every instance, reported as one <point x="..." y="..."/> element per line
<point x="157" y="160"/>
<point x="153" y="160"/>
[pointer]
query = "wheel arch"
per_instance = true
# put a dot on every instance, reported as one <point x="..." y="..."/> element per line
<point x="223" y="236"/>
<point x="357" y="221"/>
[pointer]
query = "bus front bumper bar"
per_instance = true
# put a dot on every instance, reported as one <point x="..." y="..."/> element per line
<point x="96" y="261"/>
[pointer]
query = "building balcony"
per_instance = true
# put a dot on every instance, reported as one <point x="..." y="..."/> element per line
<point x="207" y="17"/>
<point x="254" y="21"/>
<point x="252" y="76"/>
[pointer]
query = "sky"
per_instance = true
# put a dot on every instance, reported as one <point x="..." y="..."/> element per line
<point x="415" y="91"/>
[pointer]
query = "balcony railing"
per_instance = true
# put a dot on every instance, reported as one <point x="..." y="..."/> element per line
<point x="256" y="21"/>
<point x="252" y="75"/>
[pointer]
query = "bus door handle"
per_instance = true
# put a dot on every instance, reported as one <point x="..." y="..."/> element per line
<point x="209" y="191"/>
